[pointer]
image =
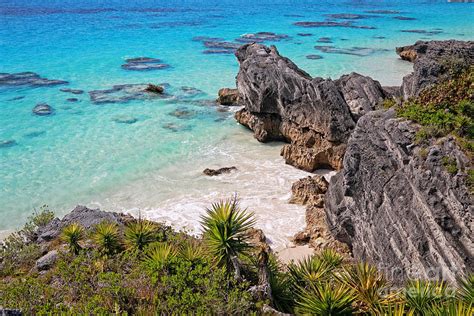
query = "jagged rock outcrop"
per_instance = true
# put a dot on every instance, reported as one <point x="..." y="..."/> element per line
<point x="315" y="115"/>
<point x="310" y="191"/>
<point x="432" y="62"/>
<point x="85" y="216"/>
<point x="396" y="204"/>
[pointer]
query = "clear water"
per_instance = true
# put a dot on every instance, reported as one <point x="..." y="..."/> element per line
<point x="81" y="155"/>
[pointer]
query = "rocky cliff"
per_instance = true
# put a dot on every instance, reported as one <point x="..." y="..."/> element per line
<point x="395" y="204"/>
<point x="315" y="115"/>
<point x="433" y="61"/>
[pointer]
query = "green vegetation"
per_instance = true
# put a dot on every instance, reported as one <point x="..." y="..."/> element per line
<point x="165" y="272"/>
<point x="445" y="109"/>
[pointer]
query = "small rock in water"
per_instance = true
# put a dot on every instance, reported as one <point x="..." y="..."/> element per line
<point x="216" y="172"/>
<point x="426" y="32"/>
<point x="348" y="24"/>
<point x="73" y="91"/>
<point x="72" y="99"/>
<point x="155" y="89"/>
<point x="218" y="51"/>
<point x="261" y="37"/>
<point x="34" y="134"/>
<point x="42" y="109"/>
<point x="227" y="96"/>
<point x="314" y="57"/>
<point x="305" y="34"/>
<point x="7" y="143"/>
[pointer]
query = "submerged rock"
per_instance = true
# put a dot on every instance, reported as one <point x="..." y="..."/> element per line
<point x="227" y="96"/>
<point x="282" y="102"/>
<point x="305" y="34"/>
<point x="216" y="172"/>
<point x="72" y="99"/>
<point x="354" y="51"/>
<point x="404" y="18"/>
<point x="261" y="37"/>
<point x="348" y="24"/>
<point x="73" y="91"/>
<point x="383" y="11"/>
<point x="43" y="109"/>
<point x="398" y="208"/>
<point x="8" y="143"/>
<point x="125" y="119"/>
<point x="27" y="79"/>
<point x="348" y="16"/>
<point x="324" y="40"/>
<point x="123" y="93"/>
<point x="425" y="32"/>
<point x="144" y="63"/>
<point x="314" y="57"/>
<point x="154" y="88"/>
<point x="432" y="62"/>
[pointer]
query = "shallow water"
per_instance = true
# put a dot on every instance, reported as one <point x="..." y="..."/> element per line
<point x="148" y="155"/>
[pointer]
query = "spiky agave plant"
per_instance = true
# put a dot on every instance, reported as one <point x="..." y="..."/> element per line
<point x="159" y="255"/>
<point x="225" y="228"/>
<point x="72" y="235"/>
<point x="310" y="270"/>
<point x="368" y="284"/>
<point x="280" y="283"/>
<point x="192" y="251"/>
<point x="465" y="289"/>
<point x="325" y="298"/>
<point x="422" y="296"/>
<point x="331" y="257"/>
<point x="452" y="308"/>
<point x="107" y="238"/>
<point x="139" y="234"/>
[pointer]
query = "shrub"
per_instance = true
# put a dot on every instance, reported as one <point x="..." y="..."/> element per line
<point x="73" y="234"/>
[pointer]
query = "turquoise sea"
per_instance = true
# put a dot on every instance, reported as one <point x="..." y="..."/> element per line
<point x="142" y="154"/>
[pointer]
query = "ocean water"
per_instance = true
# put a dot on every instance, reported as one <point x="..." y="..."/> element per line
<point x="147" y="155"/>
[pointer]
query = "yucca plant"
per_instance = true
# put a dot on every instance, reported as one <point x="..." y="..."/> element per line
<point x="395" y="309"/>
<point x="367" y="283"/>
<point x="325" y="298"/>
<point x="72" y="235"/>
<point x="192" y="251"/>
<point x="422" y="296"/>
<point x="225" y="228"/>
<point x="452" y="308"/>
<point x="331" y="257"/>
<point x="310" y="270"/>
<point x="158" y="256"/>
<point x="139" y="234"/>
<point x="280" y="284"/>
<point x="465" y="289"/>
<point x="107" y="238"/>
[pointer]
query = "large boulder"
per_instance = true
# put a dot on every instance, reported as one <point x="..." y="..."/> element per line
<point x="82" y="215"/>
<point x="282" y="102"/>
<point x="396" y="205"/>
<point x="433" y="61"/>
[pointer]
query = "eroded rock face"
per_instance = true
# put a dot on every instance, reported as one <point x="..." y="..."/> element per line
<point x="216" y="172"/>
<point x="310" y="191"/>
<point x="395" y="204"/>
<point x="432" y="60"/>
<point x="282" y="102"/>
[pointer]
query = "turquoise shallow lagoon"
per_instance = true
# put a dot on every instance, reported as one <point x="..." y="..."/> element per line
<point x="147" y="155"/>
